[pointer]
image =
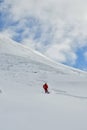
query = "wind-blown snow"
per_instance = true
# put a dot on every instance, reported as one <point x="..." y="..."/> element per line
<point x="23" y="103"/>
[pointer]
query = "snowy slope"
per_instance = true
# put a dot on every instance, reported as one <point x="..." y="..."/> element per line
<point x="7" y="46"/>
<point x="23" y="104"/>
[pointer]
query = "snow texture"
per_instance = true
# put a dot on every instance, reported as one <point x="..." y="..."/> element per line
<point x="23" y="103"/>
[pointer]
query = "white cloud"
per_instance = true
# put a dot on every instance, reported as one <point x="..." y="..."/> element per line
<point x="63" y="25"/>
<point x="50" y="9"/>
<point x="62" y="52"/>
<point x="8" y="33"/>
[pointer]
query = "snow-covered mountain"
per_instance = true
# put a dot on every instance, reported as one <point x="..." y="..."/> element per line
<point x="23" y="103"/>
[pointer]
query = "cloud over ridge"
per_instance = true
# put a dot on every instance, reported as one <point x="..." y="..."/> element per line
<point x="56" y="28"/>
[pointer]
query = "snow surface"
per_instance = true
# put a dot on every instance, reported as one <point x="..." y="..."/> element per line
<point x="23" y="103"/>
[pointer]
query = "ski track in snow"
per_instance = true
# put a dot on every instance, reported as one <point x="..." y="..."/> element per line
<point x="64" y="93"/>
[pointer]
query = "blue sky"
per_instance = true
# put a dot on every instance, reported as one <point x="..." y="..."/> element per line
<point x="81" y="60"/>
<point x="58" y="29"/>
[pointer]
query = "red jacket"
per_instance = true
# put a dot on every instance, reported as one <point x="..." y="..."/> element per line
<point x="45" y="86"/>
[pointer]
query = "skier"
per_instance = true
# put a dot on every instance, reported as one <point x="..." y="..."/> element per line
<point x="45" y="87"/>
